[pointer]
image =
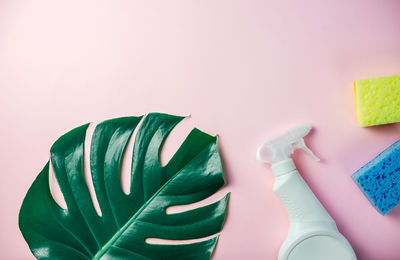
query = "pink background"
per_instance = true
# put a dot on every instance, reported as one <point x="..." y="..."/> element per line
<point x="243" y="69"/>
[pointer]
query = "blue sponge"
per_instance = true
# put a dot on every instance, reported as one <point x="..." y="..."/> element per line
<point x="379" y="179"/>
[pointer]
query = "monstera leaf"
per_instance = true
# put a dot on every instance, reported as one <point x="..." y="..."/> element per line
<point x="78" y="232"/>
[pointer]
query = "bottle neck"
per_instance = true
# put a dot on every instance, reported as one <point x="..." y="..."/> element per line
<point x="283" y="167"/>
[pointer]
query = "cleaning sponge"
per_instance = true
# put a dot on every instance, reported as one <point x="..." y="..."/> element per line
<point x="379" y="179"/>
<point x="378" y="100"/>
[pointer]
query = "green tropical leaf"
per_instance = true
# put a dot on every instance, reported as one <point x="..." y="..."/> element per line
<point x="78" y="232"/>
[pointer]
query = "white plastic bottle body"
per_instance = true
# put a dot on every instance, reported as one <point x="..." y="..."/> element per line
<point x="309" y="220"/>
<point x="313" y="234"/>
<point x="298" y="199"/>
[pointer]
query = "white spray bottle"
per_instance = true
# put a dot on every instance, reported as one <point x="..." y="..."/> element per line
<point x="313" y="234"/>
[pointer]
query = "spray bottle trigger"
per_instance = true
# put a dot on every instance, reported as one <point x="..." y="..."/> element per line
<point x="301" y="145"/>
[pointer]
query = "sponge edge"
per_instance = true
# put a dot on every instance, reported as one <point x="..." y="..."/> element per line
<point x="377" y="100"/>
<point x="379" y="179"/>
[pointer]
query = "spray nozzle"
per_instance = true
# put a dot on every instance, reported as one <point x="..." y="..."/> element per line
<point x="282" y="147"/>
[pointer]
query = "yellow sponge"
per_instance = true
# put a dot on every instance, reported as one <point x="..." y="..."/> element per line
<point x="378" y="100"/>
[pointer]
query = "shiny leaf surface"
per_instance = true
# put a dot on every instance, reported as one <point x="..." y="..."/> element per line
<point x="78" y="232"/>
